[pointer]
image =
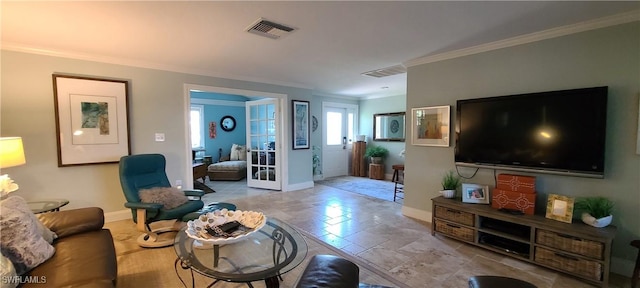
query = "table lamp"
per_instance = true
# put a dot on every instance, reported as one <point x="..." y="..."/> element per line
<point x="11" y="154"/>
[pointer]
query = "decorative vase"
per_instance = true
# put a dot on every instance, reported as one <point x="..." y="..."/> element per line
<point x="601" y="222"/>
<point x="376" y="160"/>
<point x="448" y="193"/>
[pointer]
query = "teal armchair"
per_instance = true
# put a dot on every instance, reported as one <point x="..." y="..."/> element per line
<point x="148" y="171"/>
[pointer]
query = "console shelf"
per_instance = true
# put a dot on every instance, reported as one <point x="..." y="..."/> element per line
<point x="576" y="249"/>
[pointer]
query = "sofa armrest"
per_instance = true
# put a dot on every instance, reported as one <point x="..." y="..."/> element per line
<point x="69" y="222"/>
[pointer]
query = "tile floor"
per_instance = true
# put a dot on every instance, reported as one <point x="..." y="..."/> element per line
<point x="376" y="231"/>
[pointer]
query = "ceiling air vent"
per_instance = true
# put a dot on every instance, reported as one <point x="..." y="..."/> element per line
<point x="384" y="72"/>
<point x="269" y="29"/>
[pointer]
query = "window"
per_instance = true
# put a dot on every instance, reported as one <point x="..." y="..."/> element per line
<point x="196" y="122"/>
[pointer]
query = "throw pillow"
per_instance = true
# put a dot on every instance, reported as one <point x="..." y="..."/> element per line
<point x="7" y="273"/>
<point x="238" y="152"/>
<point x="21" y="241"/>
<point x="170" y="197"/>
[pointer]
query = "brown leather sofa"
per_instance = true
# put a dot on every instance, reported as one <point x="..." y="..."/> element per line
<point x="85" y="255"/>
<point x="329" y="271"/>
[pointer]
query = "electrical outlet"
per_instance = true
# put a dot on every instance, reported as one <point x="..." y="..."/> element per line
<point x="159" y="137"/>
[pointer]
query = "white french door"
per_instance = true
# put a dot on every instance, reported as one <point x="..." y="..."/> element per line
<point x="263" y="152"/>
<point x="338" y="133"/>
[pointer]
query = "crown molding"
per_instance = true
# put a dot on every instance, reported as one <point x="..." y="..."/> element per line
<point x="617" y="19"/>
<point x="24" y="48"/>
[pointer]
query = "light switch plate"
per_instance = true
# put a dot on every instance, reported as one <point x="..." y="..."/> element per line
<point x="159" y="137"/>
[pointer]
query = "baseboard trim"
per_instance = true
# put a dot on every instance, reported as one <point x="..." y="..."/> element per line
<point x="298" y="186"/>
<point x="416" y="213"/>
<point x="117" y="215"/>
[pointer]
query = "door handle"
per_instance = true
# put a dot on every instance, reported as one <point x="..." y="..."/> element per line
<point x="344" y="142"/>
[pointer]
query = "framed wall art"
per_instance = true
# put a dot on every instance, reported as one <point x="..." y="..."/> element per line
<point x="300" y="124"/>
<point x="430" y="126"/>
<point x="92" y="123"/>
<point x="560" y="208"/>
<point x="474" y="193"/>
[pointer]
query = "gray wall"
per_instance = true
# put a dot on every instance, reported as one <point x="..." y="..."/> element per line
<point x="368" y="108"/>
<point x="156" y="104"/>
<point x="604" y="57"/>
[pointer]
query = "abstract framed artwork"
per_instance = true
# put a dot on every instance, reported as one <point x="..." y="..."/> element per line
<point x="92" y="123"/>
<point x="474" y="193"/>
<point x="430" y="126"/>
<point x="300" y="124"/>
<point x="560" y="208"/>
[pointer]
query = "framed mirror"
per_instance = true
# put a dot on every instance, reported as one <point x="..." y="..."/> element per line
<point x="389" y="127"/>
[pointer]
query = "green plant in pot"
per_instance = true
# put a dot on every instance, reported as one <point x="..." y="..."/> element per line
<point x="596" y="211"/>
<point x="376" y="153"/>
<point x="450" y="182"/>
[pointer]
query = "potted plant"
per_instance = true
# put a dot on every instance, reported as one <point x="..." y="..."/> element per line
<point x="316" y="161"/>
<point x="596" y="211"/>
<point x="450" y="182"/>
<point x="376" y="153"/>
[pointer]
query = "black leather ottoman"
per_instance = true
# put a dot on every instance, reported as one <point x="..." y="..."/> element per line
<point x="331" y="272"/>
<point x="498" y="282"/>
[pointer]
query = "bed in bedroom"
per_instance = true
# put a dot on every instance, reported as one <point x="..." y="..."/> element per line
<point x="227" y="170"/>
<point x="230" y="170"/>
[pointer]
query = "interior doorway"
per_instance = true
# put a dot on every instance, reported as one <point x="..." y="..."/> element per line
<point x="279" y="100"/>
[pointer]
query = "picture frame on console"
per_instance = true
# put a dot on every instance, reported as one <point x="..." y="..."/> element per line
<point x="430" y="126"/>
<point x="560" y="208"/>
<point x="92" y="123"/>
<point x="475" y="193"/>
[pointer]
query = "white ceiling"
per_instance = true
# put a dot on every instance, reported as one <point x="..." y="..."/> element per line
<point x="335" y="41"/>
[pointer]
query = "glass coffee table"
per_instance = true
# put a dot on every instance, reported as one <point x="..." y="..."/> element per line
<point x="47" y="205"/>
<point x="264" y="255"/>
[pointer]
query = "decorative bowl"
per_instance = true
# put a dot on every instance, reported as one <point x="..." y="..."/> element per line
<point x="251" y="220"/>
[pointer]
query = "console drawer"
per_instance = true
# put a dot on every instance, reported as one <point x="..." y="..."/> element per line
<point x="454" y="215"/>
<point x="456" y="231"/>
<point x="571" y="244"/>
<point x="586" y="268"/>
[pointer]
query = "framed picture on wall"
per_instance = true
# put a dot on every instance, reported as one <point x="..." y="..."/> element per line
<point x="301" y="124"/>
<point x="91" y="120"/>
<point x="430" y="126"/>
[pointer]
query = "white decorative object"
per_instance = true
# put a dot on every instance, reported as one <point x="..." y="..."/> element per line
<point x="360" y="138"/>
<point x="448" y="193"/>
<point x="7" y="186"/>
<point x="196" y="229"/>
<point x="601" y="222"/>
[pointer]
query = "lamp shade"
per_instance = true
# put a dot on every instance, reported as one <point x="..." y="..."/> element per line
<point x="11" y="152"/>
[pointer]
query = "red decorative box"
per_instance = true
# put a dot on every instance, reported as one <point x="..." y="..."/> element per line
<point x="516" y="183"/>
<point x="524" y="202"/>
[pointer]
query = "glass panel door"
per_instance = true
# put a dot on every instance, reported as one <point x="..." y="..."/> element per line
<point x="263" y="169"/>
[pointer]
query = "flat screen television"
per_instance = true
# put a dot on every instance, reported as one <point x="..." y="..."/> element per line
<point x="557" y="132"/>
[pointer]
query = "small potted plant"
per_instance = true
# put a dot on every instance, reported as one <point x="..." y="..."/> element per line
<point x="596" y="211"/>
<point x="376" y="153"/>
<point x="450" y="182"/>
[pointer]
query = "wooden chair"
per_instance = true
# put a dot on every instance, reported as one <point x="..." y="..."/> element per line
<point x="398" y="179"/>
<point x="636" y="270"/>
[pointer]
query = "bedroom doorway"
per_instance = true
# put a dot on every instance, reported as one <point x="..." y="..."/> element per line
<point x="279" y="102"/>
